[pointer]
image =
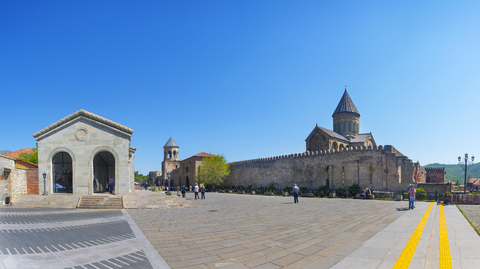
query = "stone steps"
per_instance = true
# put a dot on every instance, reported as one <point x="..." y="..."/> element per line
<point x="100" y="202"/>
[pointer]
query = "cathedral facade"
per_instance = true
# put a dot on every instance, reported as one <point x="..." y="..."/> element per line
<point x="346" y="126"/>
<point x="334" y="158"/>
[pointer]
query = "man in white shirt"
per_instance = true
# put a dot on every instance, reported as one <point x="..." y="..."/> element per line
<point x="196" y="191"/>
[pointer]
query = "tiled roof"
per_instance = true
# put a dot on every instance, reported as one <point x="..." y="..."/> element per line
<point x="360" y="138"/>
<point x="333" y="134"/>
<point x="15" y="154"/>
<point x="26" y="163"/>
<point x="474" y="181"/>
<point x="346" y="105"/>
<point x="85" y="114"/>
<point x="171" y="143"/>
<point x="203" y="154"/>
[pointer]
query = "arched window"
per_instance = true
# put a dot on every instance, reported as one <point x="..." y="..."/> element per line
<point x="62" y="173"/>
<point x="335" y="145"/>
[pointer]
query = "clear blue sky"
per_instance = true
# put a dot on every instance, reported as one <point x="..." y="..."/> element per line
<point x="248" y="79"/>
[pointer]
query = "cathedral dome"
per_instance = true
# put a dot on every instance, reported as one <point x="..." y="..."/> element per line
<point x="346" y="105"/>
<point x="346" y="119"/>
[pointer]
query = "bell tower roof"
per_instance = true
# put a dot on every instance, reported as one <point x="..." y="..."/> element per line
<point x="346" y="105"/>
<point x="171" y="143"/>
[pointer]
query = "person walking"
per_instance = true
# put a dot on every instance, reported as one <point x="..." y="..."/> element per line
<point x="203" y="192"/>
<point x="196" y="192"/>
<point x="295" y="193"/>
<point x="411" y="195"/>
<point x="111" y="184"/>
<point x="184" y="190"/>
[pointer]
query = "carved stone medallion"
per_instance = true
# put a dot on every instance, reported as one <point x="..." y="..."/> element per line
<point x="81" y="134"/>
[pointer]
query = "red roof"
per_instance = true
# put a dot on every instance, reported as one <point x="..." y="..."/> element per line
<point x="23" y="161"/>
<point x="203" y="154"/>
<point x="15" y="154"/>
<point x="474" y="181"/>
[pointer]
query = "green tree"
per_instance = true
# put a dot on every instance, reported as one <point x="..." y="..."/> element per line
<point x="29" y="157"/>
<point x="140" y="177"/>
<point x="213" y="170"/>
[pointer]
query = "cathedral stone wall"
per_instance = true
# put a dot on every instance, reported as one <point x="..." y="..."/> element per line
<point x="378" y="168"/>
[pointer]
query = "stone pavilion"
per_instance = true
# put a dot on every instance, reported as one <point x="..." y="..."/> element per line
<point x="80" y="152"/>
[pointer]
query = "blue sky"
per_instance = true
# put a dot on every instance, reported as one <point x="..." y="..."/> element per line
<point x="248" y="79"/>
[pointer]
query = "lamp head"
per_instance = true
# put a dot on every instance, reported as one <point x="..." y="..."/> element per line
<point x="473" y="158"/>
<point x="459" y="158"/>
<point x="44" y="175"/>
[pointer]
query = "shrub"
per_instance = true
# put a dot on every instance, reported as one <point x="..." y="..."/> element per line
<point x="232" y="187"/>
<point x="303" y="189"/>
<point x="421" y="194"/>
<point x="323" y="190"/>
<point x="338" y="192"/>
<point x="240" y="187"/>
<point x="474" y="193"/>
<point x="271" y="187"/>
<point x="353" y="190"/>
<point x="288" y="188"/>
<point x="249" y="187"/>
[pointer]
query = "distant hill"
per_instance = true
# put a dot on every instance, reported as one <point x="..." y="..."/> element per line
<point x="456" y="173"/>
<point x="3" y="152"/>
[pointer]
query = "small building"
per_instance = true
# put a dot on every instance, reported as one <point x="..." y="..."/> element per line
<point x="176" y="172"/>
<point x="155" y="178"/>
<point x="80" y="152"/>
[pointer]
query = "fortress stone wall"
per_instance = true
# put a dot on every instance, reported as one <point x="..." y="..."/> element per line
<point x="378" y="168"/>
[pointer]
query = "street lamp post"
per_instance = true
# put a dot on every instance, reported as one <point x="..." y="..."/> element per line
<point x="465" y="164"/>
<point x="44" y="183"/>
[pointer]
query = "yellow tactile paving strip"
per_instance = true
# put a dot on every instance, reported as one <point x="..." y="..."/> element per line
<point x="407" y="253"/>
<point x="445" y="261"/>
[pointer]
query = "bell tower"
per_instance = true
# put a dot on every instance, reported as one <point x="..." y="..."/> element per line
<point x="170" y="151"/>
<point x="346" y="119"/>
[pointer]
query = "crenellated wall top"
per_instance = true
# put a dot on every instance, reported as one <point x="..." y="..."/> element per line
<point x="383" y="149"/>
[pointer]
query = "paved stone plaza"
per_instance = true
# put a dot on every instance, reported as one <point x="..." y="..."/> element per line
<point x="235" y="231"/>
<point x="244" y="231"/>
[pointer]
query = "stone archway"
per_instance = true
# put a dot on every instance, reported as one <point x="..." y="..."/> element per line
<point x="103" y="169"/>
<point x="62" y="173"/>
<point x="91" y="166"/>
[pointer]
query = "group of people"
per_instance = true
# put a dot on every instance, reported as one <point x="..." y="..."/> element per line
<point x="196" y="190"/>
<point x="411" y="191"/>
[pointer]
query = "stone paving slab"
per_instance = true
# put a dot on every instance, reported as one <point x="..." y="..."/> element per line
<point x="245" y="231"/>
<point x="255" y="231"/>
<point x="66" y="238"/>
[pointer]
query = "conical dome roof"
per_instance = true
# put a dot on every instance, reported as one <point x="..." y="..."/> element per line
<point x="171" y="143"/>
<point x="346" y="105"/>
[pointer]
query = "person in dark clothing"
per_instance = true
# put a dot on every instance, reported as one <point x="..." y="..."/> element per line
<point x="184" y="190"/>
